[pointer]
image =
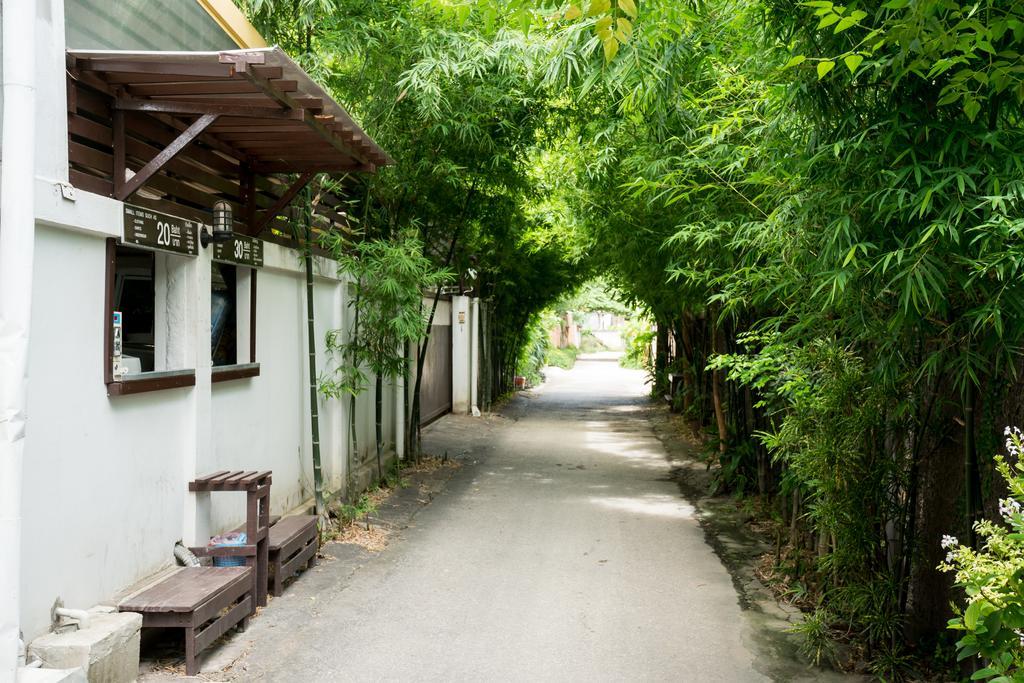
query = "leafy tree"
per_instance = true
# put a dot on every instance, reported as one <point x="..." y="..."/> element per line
<point x="388" y="279"/>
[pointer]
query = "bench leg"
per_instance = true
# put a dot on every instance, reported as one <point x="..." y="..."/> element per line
<point x="191" y="666"/>
<point x="278" y="587"/>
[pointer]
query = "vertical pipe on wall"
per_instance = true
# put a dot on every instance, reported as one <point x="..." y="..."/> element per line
<point x="17" y="234"/>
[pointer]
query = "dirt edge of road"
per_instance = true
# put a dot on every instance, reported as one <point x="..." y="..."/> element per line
<point x="730" y="530"/>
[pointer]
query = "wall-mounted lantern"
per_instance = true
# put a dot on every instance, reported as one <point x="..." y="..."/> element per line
<point x="223" y="221"/>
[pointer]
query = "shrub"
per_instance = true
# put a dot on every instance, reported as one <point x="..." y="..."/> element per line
<point x="638" y="337"/>
<point x="562" y="358"/>
<point x="993" y="621"/>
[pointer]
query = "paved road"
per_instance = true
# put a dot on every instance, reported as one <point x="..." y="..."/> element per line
<point x="565" y="553"/>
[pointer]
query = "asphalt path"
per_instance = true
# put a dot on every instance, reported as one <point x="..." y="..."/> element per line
<point x="562" y="550"/>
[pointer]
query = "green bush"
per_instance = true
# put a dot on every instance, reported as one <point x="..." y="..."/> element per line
<point x="638" y="337"/>
<point x="562" y="358"/>
<point x="591" y="344"/>
<point x="534" y="351"/>
<point x="993" y="580"/>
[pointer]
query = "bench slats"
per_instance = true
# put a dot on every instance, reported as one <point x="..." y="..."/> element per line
<point x="231" y="480"/>
<point x="186" y="589"/>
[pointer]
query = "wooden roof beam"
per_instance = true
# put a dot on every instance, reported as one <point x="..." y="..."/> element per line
<point x="124" y="188"/>
<point x="218" y="87"/>
<point x="302" y="166"/>
<point x="285" y="199"/>
<point x="199" y="108"/>
<point x="312" y="121"/>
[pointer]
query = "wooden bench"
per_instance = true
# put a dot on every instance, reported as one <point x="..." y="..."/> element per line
<point x="203" y="601"/>
<point x="293" y="543"/>
<point x="256" y="486"/>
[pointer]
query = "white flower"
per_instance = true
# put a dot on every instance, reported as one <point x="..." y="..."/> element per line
<point x="1014" y="438"/>
<point x="1009" y="508"/>
<point x="949" y="557"/>
<point x="949" y="542"/>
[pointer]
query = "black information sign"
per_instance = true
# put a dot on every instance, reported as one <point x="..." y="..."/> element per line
<point x="155" y="230"/>
<point x="241" y="249"/>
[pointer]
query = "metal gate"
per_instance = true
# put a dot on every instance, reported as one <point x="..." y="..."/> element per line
<point x="436" y="387"/>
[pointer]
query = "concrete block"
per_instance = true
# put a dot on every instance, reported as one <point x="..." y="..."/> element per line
<point x="27" y="675"/>
<point x="107" y="651"/>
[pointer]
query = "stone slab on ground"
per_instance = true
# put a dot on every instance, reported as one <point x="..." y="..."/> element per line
<point x="30" y="675"/>
<point x="107" y="651"/>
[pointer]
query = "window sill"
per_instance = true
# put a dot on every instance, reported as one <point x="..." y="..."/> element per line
<point x="226" y="373"/>
<point x="152" y="381"/>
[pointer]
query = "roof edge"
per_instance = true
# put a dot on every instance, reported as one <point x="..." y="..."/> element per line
<point x="233" y="22"/>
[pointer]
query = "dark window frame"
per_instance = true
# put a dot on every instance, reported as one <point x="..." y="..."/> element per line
<point x="226" y="373"/>
<point x="149" y="381"/>
<point x="169" y="379"/>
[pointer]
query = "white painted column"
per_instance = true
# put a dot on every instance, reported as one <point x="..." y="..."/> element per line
<point x="461" y="345"/>
<point x="188" y="315"/>
<point x="17" y="245"/>
<point x="51" y="137"/>
<point x="474" y="354"/>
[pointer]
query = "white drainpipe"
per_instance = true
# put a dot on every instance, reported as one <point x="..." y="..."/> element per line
<point x="17" y="234"/>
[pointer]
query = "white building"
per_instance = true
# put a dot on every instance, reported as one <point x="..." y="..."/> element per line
<point x="96" y="450"/>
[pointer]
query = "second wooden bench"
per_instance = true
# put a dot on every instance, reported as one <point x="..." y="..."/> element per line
<point x="293" y="544"/>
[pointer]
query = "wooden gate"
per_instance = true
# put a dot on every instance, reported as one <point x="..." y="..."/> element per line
<point x="436" y="387"/>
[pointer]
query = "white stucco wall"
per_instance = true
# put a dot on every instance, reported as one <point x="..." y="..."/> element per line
<point x="102" y="477"/>
<point x="263" y="422"/>
<point x="105" y="478"/>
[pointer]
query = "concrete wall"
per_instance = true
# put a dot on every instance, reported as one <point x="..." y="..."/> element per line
<point x="465" y="353"/>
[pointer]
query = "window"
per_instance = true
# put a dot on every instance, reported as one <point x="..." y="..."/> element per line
<point x="141" y="353"/>
<point x="233" y="322"/>
<point x="224" y="315"/>
<point x="135" y="299"/>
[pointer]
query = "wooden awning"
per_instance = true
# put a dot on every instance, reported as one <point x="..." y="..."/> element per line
<point x="176" y="131"/>
<point x="259" y="102"/>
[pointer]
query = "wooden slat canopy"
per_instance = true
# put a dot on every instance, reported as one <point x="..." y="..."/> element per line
<point x="180" y="130"/>
<point x="268" y="108"/>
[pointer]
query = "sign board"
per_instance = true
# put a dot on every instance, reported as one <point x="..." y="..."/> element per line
<point x="241" y="249"/>
<point x="155" y="230"/>
<point x="117" y="368"/>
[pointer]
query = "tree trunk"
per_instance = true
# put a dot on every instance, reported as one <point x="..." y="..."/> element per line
<point x="940" y="474"/>
<point x="972" y="477"/>
<point x="421" y="360"/>
<point x="716" y="388"/>
<point x="661" y="357"/>
<point x="378" y="406"/>
<point x="314" y="414"/>
<point x="352" y="406"/>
